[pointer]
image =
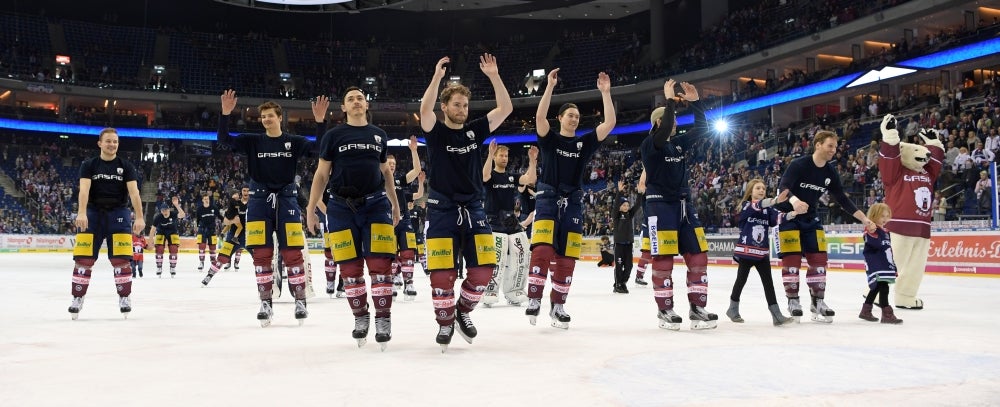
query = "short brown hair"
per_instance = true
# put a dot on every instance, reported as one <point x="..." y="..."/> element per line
<point x="349" y="90"/>
<point x="106" y="130"/>
<point x="567" y="106"/>
<point x="501" y="148"/>
<point x="822" y="135"/>
<point x="270" y="104"/>
<point x="447" y="92"/>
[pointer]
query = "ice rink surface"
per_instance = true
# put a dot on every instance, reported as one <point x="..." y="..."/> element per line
<point x="184" y="345"/>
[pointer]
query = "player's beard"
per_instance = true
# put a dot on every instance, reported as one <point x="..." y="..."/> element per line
<point x="456" y="118"/>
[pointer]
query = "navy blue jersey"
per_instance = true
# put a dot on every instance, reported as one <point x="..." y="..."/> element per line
<point x="501" y="192"/>
<point x="417" y="215"/>
<point x="206" y="216"/>
<point x="455" y="166"/>
<point x="237" y="208"/>
<point x="808" y="182"/>
<point x="403" y="194"/>
<point x="108" y="181"/>
<point x="165" y="225"/>
<point x="527" y="200"/>
<point x="754" y="224"/>
<point x="271" y="161"/>
<point x="357" y="153"/>
<point x="564" y="159"/>
<point x="878" y="251"/>
<point x="666" y="166"/>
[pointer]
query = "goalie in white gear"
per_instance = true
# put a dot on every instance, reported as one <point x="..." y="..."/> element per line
<point x="513" y="247"/>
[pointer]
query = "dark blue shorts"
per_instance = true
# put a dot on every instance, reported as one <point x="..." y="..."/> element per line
<point x="274" y="211"/>
<point x="455" y="227"/>
<point x="113" y="226"/>
<point x="674" y="229"/>
<point x="360" y="227"/>
<point x="558" y="220"/>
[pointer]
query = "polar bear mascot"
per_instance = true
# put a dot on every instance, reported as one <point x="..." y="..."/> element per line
<point x="909" y="172"/>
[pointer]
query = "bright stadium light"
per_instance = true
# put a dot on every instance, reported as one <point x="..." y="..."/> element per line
<point x="721" y="126"/>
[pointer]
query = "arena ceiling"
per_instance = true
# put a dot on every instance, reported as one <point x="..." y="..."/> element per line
<point x="542" y="9"/>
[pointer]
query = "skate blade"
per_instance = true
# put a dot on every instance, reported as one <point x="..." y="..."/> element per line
<point x="699" y="325"/>
<point x="74" y="316"/>
<point x="490" y="305"/>
<point x="560" y="325"/>
<point x="673" y="326"/>
<point x="467" y="338"/>
<point x="302" y="321"/>
<point x="822" y="318"/>
<point x="408" y="298"/>
<point x="340" y="294"/>
<point x="264" y="323"/>
<point x="332" y="296"/>
<point x="444" y="348"/>
<point x="362" y="342"/>
<point x="532" y="319"/>
<point x="382" y="346"/>
<point x="125" y="315"/>
<point x="514" y="303"/>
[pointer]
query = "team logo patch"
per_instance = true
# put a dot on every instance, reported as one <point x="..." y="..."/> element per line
<point x="511" y="178"/>
<point x="922" y="197"/>
<point x="120" y="171"/>
<point x="579" y="145"/>
<point x="826" y="182"/>
<point x="378" y="139"/>
<point x="470" y="134"/>
<point x="288" y="145"/>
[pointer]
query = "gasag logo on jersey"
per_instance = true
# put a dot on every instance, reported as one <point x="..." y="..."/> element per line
<point x="108" y="177"/>
<point x="462" y="150"/>
<point x="565" y="153"/>
<point x="359" y="146"/>
<point x="805" y="185"/>
<point x="917" y="178"/>
<point x="279" y="154"/>
<point x="673" y="159"/>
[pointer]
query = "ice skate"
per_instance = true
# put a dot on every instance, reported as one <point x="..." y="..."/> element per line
<point x="159" y="272"/>
<point x="701" y="319"/>
<point x="888" y="317"/>
<point x="227" y="266"/>
<point x="74" y="307"/>
<point x="265" y="313"/>
<point x="201" y="266"/>
<point x="206" y="280"/>
<point x="125" y="306"/>
<point x="560" y="319"/>
<point x="331" y="288"/>
<point x="341" y="293"/>
<point x="301" y="313"/>
<point x="397" y="281"/>
<point x="734" y="312"/>
<point x="776" y="316"/>
<point x="489" y="299"/>
<point x="620" y="289"/>
<point x="795" y="309"/>
<point x="820" y="311"/>
<point x="866" y="313"/>
<point x="669" y="319"/>
<point x="383" y="332"/>
<point x="409" y="293"/>
<point x="516" y="298"/>
<point x="360" y="333"/>
<point x="444" y="335"/>
<point x="640" y="282"/>
<point x="173" y="272"/>
<point x="534" y="306"/>
<point x="465" y="327"/>
<point x="235" y="268"/>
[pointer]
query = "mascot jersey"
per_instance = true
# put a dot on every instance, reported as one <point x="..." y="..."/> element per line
<point x="910" y="192"/>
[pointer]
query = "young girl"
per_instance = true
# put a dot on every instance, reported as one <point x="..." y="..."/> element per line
<point x="607" y="255"/>
<point x="138" y="245"/>
<point x="752" y="248"/>
<point x="879" y="266"/>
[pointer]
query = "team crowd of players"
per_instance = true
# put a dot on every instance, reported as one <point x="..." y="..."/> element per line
<point x="472" y="221"/>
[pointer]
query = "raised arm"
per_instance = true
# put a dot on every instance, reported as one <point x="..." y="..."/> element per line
<point x="228" y="104"/>
<point x="666" y="127"/>
<point x="415" y="157"/>
<point x="320" y="178"/>
<point x="427" y="117"/>
<point x="604" y="85"/>
<point x="176" y="202"/>
<point x="488" y="162"/>
<point x="420" y="187"/>
<point x="488" y="64"/>
<point x="530" y="175"/>
<point x="641" y="186"/>
<point x="319" y="109"/>
<point x="541" y="122"/>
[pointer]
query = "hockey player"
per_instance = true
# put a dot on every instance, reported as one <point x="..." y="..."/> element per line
<point x="526" y="202"/>
<point x="362" y="196"/>
<point x="334" y="285"/>
<point x="206" y="217"/>
<point x="234" y="235"/>
<point x="272" y="160"/>
<point x="753" y="248"/>
<point x="107" y="185"/>
<point x="138" y="247"/>
<point x="673" y="225"/>
<point x="417" y="217"/>
<point x="164" y="232"/>
<point x="457" y="224"/>
<point x="511" y="271"/>
<point x="622" y="218"/>
<point x="557" y="237"/>
<point x="809" y="177"/>
<point x="406" y="239"/>
<point x="644" y="256"/>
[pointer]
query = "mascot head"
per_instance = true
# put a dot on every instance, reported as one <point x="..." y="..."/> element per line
<point x="912" y="156"/>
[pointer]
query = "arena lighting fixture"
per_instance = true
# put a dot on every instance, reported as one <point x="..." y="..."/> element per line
<point x="721" y="126"/>
<point x="876" y="75"/>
